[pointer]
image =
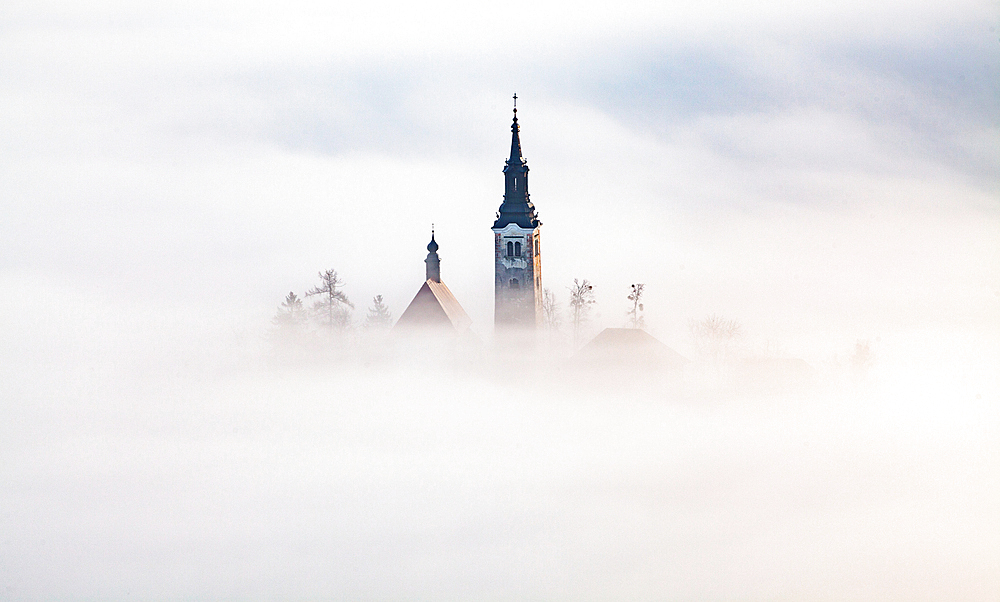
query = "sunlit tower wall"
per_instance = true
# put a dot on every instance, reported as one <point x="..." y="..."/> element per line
<point x="517" y="246"/>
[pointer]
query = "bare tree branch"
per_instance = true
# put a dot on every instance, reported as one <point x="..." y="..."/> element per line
<point x="636" y="320"/>
<point x="581" y="297"/>
<point x="333" y="302"/>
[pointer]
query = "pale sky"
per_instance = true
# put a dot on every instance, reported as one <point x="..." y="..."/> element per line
<point x="206" y="153"/>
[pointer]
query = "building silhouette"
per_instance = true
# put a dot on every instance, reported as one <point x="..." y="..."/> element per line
<point x="434" y="307"/>
<point x="517" y="246"/>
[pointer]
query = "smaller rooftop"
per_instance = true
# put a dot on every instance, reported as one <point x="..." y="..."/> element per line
<point x="631" y="347"/>
<point x="434" y="306"/>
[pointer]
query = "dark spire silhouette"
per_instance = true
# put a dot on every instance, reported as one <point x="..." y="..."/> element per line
<point x="516" y="207"/>
<point x="515" y="139"/>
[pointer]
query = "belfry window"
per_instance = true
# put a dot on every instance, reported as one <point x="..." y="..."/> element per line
<point x="510" y="249"/>
<point x="514" y="283"/>
<point x="517" y="249"/>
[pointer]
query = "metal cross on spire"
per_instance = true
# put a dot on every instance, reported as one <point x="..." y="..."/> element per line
<point x="515" y="143"/>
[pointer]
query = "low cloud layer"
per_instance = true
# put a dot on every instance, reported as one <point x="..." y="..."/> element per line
<point x="182" y="464"/>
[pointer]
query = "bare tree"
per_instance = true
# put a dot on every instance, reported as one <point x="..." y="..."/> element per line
<point x="714" y="333"/>
<point x="864" y="357"/>
<point x="379" y="316"/>
<point x="291" y="313"/>
<point x="635" y="320"/>
<point x="550" y="310"/>
<point x="581" y="297"/>
<point x="333" y="306"/>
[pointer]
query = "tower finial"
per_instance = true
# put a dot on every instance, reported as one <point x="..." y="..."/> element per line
<point x="432" y="246"/>
<point x="515" y="142"/>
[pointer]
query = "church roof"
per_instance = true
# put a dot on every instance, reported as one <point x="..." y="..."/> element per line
<point x="615" y="347"/>
<point x="434" y="306"/>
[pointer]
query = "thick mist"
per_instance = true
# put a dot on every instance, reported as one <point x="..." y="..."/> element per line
<point x="818" y="181"/>
<point x="190" y="464"/>
<point x="165" y="456"/>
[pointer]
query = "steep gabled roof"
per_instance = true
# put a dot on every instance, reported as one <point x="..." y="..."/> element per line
<point x="434" y="306"/>
<point x="629" y="346"/>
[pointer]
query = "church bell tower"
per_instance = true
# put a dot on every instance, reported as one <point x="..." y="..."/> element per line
<point x="517" y="246"/>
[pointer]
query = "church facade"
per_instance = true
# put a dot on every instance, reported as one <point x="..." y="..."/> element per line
<point x="517" y="246"/>
<point x="517" y="263"/>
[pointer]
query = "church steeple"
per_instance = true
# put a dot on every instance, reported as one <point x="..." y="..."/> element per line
<point x="515" y="140"/>
<point x="517" y="245"/>
<point x="433" y="261"/>
<point x="433" y="307"/>
<point x="516" y="207"/>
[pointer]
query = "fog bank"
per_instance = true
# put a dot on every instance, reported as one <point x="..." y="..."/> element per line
<point x="183" y="462"/>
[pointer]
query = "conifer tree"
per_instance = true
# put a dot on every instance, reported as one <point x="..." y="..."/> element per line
<point x="379" y="315"/>
<point x="291" y="313"/>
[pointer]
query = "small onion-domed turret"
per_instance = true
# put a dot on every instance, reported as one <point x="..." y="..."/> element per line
<point x="433" y="261"/>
